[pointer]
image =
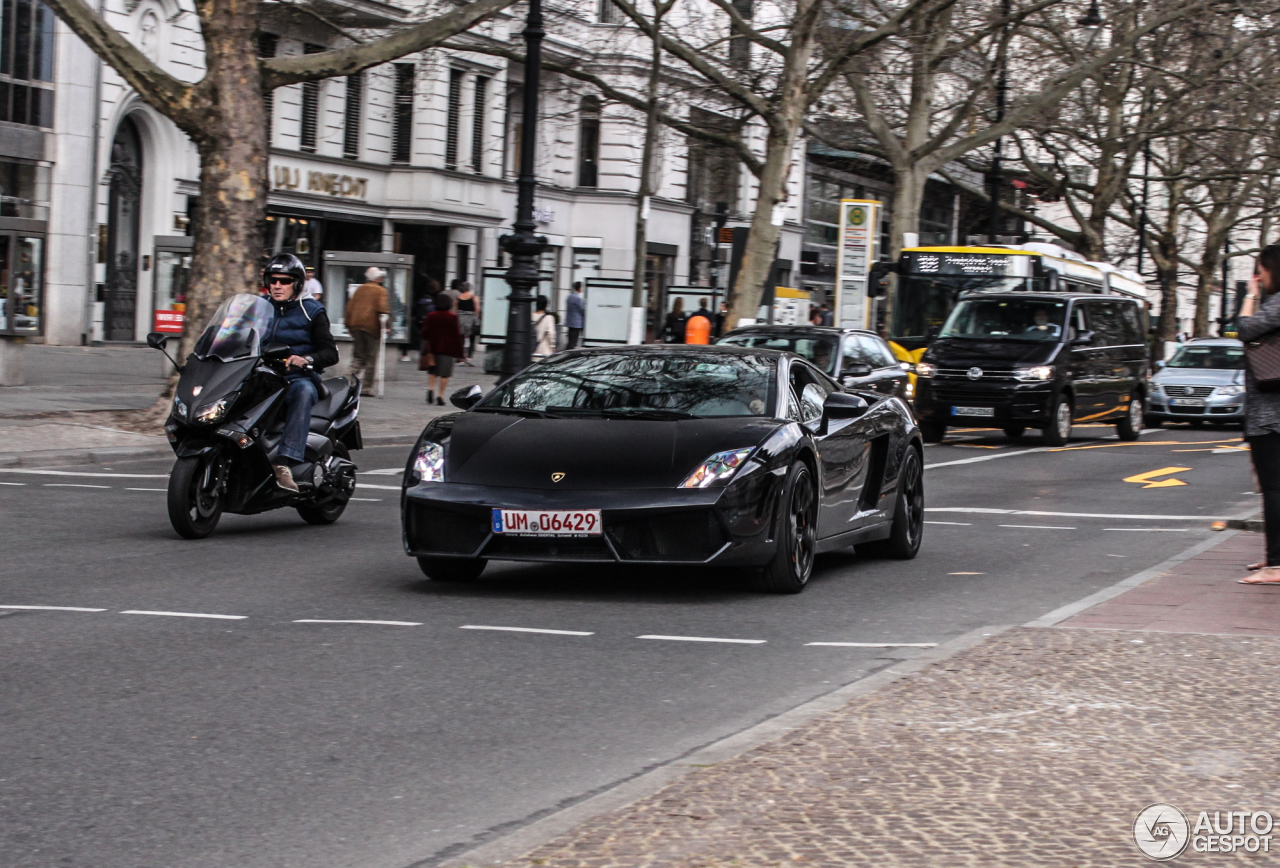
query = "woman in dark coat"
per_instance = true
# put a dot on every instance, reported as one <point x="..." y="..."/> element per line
<point x="441" y="344"/>
<point x="1260" y="316"/>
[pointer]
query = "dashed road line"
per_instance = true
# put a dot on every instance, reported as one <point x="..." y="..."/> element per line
<point x="146" y="489"/>
<point x="383" y="487"/>
<point x="384" y="471"/>
<point x="381" y="623"/>
<point x="86" y="474"/>
<point x="525" y="630"/>
<point x="186" y="615"/>
<point x="72" y="485"/>
<point x="1038" y="527"/>
<point x="705" y="639"/>
<point x="12" y="483"/>
<point x="1150" y="529"/>
<point x="55" y="608"/>
<point x="983" y="510"/>
<point x="957" y="523"/>
<point x="873" y="644"/>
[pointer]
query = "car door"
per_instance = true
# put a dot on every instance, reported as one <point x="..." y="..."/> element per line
<point x="865" y="364"/>
<point x="1080" y="364"/>
<point x="891" y="377"/>
<point x="1107" y="357"/>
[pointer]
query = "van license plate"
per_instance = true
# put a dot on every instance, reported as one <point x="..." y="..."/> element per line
<point x="974" y="411"/>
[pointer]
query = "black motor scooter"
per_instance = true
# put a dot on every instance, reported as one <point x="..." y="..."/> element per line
<point x="227" y="421"/>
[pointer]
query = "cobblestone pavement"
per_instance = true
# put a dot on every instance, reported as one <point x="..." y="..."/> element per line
<point x="1037" y="747"/>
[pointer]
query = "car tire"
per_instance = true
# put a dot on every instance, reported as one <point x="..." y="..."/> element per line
<point x="452" y="569"/>
<point x="1013" y="432"/>
<point x="788" y="571"/>
<point x="933" y="431"/>
<point x="1057" y="429"/>
<point x="907" y="529"/>
<point x="195" y="497"/>
<point x="1130" y="427"/>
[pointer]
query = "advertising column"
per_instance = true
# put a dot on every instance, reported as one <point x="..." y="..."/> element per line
<point x="859" y="222"/>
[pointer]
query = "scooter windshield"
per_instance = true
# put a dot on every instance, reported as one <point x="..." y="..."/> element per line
<point x="235" y="331"/>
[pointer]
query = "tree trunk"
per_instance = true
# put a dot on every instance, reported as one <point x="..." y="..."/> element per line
<point x="1167" y="270"/>
<point x="908" y="198"/>
<point x="636" y="329"/>
<point x="1204" y="293"/>
<point x="762" y="244"/>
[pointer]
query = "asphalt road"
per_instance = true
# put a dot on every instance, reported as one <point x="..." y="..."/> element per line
<point x="158" y="740"/>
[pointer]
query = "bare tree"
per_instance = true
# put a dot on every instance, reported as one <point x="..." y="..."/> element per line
<point x="224" y="116"/>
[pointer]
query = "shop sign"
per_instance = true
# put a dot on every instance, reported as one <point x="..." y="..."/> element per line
<point x="169" y="321"/>
<point x="323" y="183"/>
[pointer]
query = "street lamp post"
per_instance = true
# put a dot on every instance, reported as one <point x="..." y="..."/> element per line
<point x="995" y="177"/>
<point x="523" y="245"/>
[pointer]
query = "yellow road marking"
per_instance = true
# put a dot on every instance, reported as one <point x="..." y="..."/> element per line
<point x="1147" y="480"/>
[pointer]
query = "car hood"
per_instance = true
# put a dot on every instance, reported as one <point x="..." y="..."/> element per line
<point x="1199" y="377"/>
<point x="521" y="452"/>
<point x="962" y="353"/>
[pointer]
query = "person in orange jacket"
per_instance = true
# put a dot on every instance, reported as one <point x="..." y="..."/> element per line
<point x="697" y="329"/>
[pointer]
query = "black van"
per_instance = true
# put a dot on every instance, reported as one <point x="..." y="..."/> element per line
<point x="1035" y="360"/>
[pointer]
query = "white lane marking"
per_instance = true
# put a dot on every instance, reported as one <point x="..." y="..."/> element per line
<point x="367" y="499"/>
<point x="706" y="639"/>
<point x="55" y="608"/>
<point x="874" y="644"/>
<point x="525" y="630"/>
<point x="81" y="473"/>
<point x="1151" y="529"/>
<point x="991" y="457"/>
<point x="12" y="483"/>
<point x="383" y="487"/>
<point x="72" y="485"/>
<point x="146" y="489"/>
<point x="1038" y="526"/>
<point x="383" y="623"/>
<point x="957" y="523"/>
<point x="185" y="615"/>
<point x="385" y="471"/>
<point x="983" y="510"/>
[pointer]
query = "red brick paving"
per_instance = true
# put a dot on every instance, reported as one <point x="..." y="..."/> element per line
<point x="1200" y="595"/>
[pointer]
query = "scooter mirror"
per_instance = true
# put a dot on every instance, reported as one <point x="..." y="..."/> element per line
<point x="467" y="398"/>
<point x="156" y="340"/>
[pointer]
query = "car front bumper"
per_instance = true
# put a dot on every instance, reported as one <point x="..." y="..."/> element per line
<point x="1216" y="408"/>
<point x="724" y="526"/>
<point x="1022" y="403"/>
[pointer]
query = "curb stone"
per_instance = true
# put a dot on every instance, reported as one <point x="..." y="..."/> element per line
<point x="557" y="821"/>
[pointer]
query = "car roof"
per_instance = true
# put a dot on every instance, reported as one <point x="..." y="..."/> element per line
<point x="669" y="349"/>
<point x="786" y="330"/>
<point x="1214" y="342"/>
<point x="1050" y="296"/>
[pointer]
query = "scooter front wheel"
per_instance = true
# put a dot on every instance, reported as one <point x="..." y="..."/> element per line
<point x="195" y="495"/>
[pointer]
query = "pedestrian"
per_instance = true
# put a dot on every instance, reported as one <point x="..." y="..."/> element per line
<point x="1262" y="409"/>
<point x="817" y="314"/>
<point x="544" y="329"/>
<point x="721" y="316"/>
<point x="828" y="317"/>
<point x="574" y="314"/>
<point x="312" y="288"/>
<point x="455" y="288"/>
<point x="697" y="329"/>
<point x="441" y="344"/>
<point x="361" y="318"/>
<point x="468" y="307"/>
<point x="673" y="329"/>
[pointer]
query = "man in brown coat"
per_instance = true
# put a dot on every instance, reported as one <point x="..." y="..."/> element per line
<point x="361" y="318"/>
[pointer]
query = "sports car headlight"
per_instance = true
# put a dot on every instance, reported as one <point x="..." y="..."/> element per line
<point x="215" y="411"/>
<point x="925" y="369"/>
<point x="1039" y="372"/>
<point x="1231" y="390"/>
<point x="428" y="464"/>
<point x="718" y="468"/>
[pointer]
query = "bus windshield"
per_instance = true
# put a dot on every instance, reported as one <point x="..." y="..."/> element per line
<point x="923" y="301"/>
<point x="1012" y="319"/>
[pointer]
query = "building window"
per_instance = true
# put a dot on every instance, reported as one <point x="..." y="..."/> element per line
<point x="310" y="108"/>
<point x="453" y="119"/>
<point x="351" y="117"/>
<point x="478" y="120"/>
<point x="26" y="63"/>
<point x="402" y="132"/>
<point x="607" y="12"/>
<point x="267" y="45"/>
<point x="589" y="143"/>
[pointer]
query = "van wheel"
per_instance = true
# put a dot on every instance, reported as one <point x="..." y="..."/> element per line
<point x="1013" y="432"/>
<point x="1057" y="431"/>
<point x="1130" y="427"/>
<point x="932" y="431"/>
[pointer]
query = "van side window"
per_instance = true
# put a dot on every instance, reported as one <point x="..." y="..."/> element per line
<point x="1108" y="328"/>
<point x="1077" y="322"/>
<point x="810" y="390"/>
<point x="1132" y="320"/>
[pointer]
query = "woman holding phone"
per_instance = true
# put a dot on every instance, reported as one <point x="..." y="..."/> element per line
<point x="1260" y="316"/>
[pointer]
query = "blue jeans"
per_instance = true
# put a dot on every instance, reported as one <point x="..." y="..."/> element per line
<point x="299" y="398"/>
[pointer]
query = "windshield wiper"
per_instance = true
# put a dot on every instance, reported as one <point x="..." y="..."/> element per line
<point x="517" y="411"/>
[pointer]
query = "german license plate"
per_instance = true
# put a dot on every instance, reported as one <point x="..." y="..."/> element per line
<point x="1187" y="402"/>
<point x="548" y="522"/>
<point x="974" y="411"/>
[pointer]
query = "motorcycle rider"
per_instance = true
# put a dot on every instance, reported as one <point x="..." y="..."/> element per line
<point x="303" y="326"/>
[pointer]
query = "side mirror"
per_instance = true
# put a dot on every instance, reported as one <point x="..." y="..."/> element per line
<point x="465" y="399"/>
<point x="1083" y="338"/>
<point x="156" y="340"/>
<point x="857" y="371"/>
<point x="842" y="405"/>
<point x="1160" y="363"/>
<point x="275" y="352"/>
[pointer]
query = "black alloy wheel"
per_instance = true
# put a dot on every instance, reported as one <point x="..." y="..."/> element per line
<point x="933" y="430"/>
<point x="1130" y="427"/>
<point x="331" y="510"/>
<point x="1013" y="432"/>
<point x="1057" y="428"/>
<point x="907" y="530"/>
<point x="196" y="495"/>
<point x="792" y="564"/>
<point x="451" y="569"/>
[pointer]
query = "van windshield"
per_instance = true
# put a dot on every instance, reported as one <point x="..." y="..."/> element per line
<point x="1006" y="319"/>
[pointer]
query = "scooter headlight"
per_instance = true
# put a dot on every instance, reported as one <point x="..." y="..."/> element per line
<point x="179" y="407"/>
<point x="214" y="412"/>
<point x="718" y="468"/>
<point x="428" y="464"/>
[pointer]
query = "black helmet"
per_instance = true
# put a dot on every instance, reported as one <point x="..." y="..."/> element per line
<point x="285" y="263"/>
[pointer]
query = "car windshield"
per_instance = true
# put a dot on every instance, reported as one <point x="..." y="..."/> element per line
<point x="235" y="330"/>
<point x="666" y="385"/>
<point x="1211" y="357"/>
<point x="820" y="351"/>
<point x="1006" y="319"/>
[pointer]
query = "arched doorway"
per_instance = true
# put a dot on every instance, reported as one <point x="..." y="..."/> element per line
<point x="122" y="233"/>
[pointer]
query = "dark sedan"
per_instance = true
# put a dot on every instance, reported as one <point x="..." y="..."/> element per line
<point x="665" y="455"/>
<point x="855" y="358"/>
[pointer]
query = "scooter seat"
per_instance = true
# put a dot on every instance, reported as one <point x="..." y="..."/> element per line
<point x="326" y="408"/>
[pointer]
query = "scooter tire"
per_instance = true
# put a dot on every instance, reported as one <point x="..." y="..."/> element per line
<point x="192" y="515"/>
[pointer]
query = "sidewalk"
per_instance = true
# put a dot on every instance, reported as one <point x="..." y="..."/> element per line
<point x="1036" y="746"/>
<point x="81" y="404"/>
